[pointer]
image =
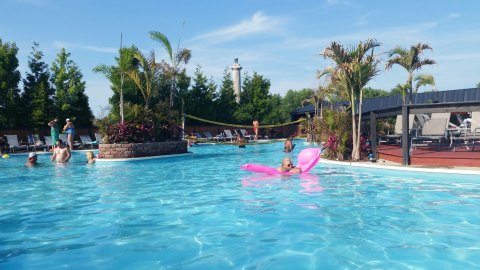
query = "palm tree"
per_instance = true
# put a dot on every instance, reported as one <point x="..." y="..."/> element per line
<point x="410" y="60"/>
<point x="175" y="58"/>
<point x="354" y="68"/>
<point x="144" y="76"/>
<point x="423" y="80"/>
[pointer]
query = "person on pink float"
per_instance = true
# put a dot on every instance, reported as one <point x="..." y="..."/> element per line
<point x="287" y="166"/>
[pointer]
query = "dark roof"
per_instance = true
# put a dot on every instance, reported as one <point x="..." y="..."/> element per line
<point x="383" y="103"/>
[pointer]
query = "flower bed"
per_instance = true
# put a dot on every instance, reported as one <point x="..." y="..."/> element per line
<point x="133" y="150"/>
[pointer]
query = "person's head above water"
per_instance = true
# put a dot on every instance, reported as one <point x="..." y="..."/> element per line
<point x="32" y="156"/>
<point x="287" y="163"/>
<point x="59" y="143"/>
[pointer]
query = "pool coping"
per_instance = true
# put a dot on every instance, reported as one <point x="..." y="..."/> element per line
<point x="468" y="171"/>
<point x="140" y="158"/>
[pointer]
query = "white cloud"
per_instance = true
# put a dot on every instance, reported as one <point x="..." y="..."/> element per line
<point x="67" y="45"/>
<point x="259" y="23"/>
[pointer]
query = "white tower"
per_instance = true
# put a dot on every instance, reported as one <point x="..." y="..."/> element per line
<point x="237" y="85"/>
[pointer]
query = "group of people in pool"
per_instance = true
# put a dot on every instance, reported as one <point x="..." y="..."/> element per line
<point x="61" y="154"/>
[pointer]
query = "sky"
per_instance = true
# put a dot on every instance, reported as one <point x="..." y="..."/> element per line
<point x="279" y="39"/>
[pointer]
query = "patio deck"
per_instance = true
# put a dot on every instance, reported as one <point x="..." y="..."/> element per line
<point x="433" y="156"/>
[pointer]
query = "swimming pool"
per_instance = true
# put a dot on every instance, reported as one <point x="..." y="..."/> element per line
<point x="201" y="211"/>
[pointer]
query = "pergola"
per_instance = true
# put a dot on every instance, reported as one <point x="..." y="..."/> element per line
<point x="463" y="100"/>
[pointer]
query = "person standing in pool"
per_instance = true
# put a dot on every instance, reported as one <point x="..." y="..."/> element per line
<point x="256" y="124"/>
<point x="69" y="129"/>
<point x="61" y="154"/>
<point x="54" y="130"/>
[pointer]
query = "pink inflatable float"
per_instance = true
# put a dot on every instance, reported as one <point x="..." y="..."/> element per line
<point x="306" y="160"/>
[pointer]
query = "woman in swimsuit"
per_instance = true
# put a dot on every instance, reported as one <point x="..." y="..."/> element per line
<point x="69" y="129"/>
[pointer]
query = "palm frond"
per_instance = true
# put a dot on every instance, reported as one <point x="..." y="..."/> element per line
<point x="157" y="36"/>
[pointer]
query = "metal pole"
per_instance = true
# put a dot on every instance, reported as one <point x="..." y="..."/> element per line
<point x="121" y="79"/>
<point x="373" y="132"/>
<point x="405" y="137"/>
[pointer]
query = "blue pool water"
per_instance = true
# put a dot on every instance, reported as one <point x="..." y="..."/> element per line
<point x="202" y="212"/>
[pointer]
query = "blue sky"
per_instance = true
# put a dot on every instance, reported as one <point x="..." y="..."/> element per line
<point x="278" y="39"/>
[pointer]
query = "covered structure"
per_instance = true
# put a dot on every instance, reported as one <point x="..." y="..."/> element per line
<point x="462" y="100"/>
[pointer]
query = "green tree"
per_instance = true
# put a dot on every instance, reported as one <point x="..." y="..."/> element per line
<point x="411" y="61"/>
<point x="37" y="96"/>
<point x="253" y="99"/>
<point x="70" y="98"/>
<point x="354" y="68"/>
<point x="9" y="79"/>
<point x="369" y="92"/>
<point x="293" y="99"/>
<point x="276" y="113"/>
<point x="226" y="104"/>
<point x="176" y="59"/>
<point x="200" y="98"/>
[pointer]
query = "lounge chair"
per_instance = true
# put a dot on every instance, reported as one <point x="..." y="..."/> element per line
<point x="471" y="135"/>
<point x="433" y="131"/>
<point x="199" y="137"/>
<point x="246" y="135"/>
<point x="98" y="138"/>
<point x="210" y="137"/>
<point x="48" y="141"/>
<point x="397" y="135"/>
<point x="14" y="145"/>
<point x="86" y="141"/>
<point x="35" y="143"/>
<point x="229" y="135"/>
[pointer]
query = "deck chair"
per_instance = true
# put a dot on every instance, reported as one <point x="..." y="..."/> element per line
<point x="210" y="137"/>
<point x="35" y="143"/>
<point x="443" y="116"/>
<point x="98" y="138"/>
<point x="86" y="141"/>
<point x="397" y="135"/>
<point x="13" y="142"/>
<point x="433" y="131"/>
<point x="229" y="135"/>
<point x="246" y="135"/>
<point x="48" y="141"/>
<point x="200" y="137"/>
<point x="471" y="135"/>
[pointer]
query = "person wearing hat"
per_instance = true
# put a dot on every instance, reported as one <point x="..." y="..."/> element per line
<point x="54" y="130"/>
<point x="31" y="160"/>
<point x="69" y="129"/>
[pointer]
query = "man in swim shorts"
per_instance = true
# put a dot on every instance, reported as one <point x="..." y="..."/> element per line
<point x="287" y="166"/>
<point x="61" y="153"/>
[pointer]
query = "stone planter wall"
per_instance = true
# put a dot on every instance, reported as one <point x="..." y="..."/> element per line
<point x="131" y="150"/>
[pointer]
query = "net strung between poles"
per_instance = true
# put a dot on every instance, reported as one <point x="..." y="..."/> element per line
<point x="240" y="126"/>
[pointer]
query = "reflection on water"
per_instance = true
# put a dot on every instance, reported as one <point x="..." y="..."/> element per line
<point x="309" y="183"/>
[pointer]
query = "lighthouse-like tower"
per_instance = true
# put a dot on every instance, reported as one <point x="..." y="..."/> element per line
<point x="237" y="85"/>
